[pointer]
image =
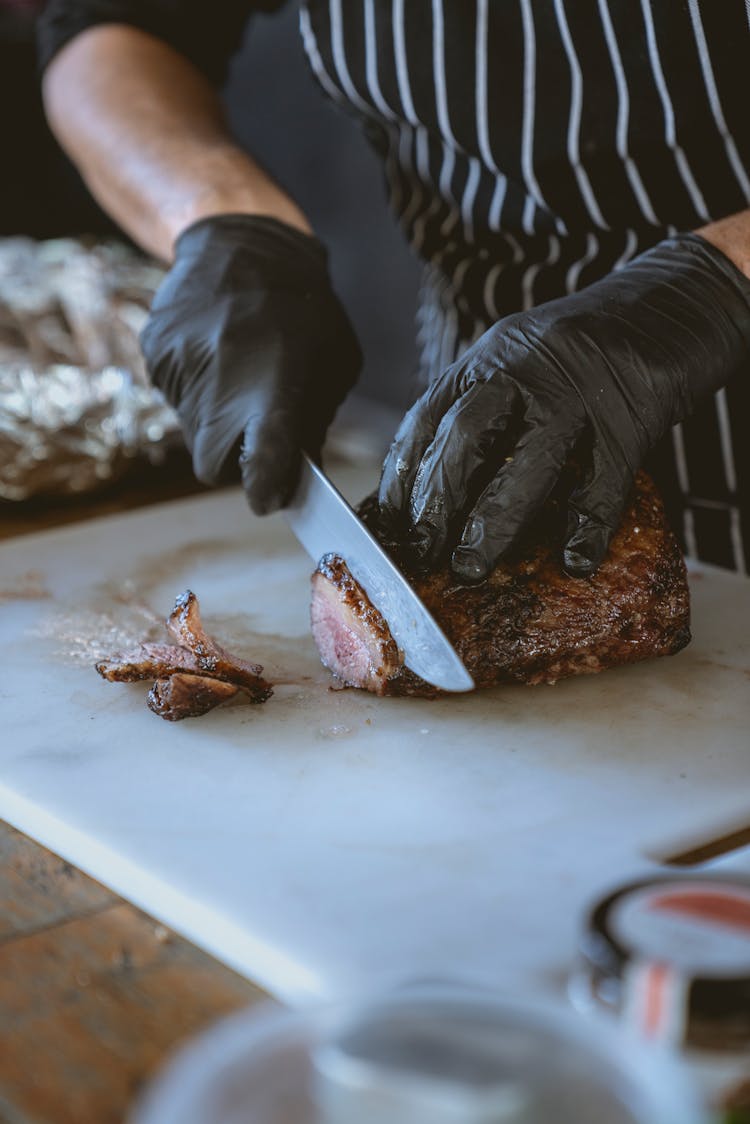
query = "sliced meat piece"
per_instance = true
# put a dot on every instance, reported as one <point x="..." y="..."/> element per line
<point x="148" y="661"/>
<point x="528" y="622"/>
<point x="188" y="696"/>
<point x="192" y="676"/>
<point x="184" y="625"/>
<point x="354" y="641"/>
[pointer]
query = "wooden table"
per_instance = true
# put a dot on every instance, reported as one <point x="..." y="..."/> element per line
<point x="93" y="993"/>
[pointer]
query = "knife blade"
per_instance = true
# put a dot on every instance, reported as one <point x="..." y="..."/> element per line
<point x="324" y="523"/>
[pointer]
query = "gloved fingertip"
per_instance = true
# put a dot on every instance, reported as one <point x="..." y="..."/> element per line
<point x="586" y="545"/>
<point x="469" y="566"/>
<point x="263" y="502"/>
<point x="583" y="554"/>
<point x="577" y="565"/>
<point x="212" y="470"/>
<point x="268" y="487"/>
<point x="390" y="500"/>
<point x="395" y="525"/>
<point x="421" y="541"/>
<point x="388" y="517"/>
<point x="207" y="479"/>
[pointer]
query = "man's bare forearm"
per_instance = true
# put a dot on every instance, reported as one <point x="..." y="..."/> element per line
<point x="147" y="132"/>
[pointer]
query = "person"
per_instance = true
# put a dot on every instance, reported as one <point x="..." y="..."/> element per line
<point x="576" y="179"/>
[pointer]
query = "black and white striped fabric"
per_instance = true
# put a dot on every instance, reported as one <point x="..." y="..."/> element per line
<point x="532" y="146"/>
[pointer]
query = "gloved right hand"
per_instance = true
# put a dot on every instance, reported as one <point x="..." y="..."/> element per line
<point x="249" y="343"/>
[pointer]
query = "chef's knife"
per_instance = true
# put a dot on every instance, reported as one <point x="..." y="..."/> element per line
<point x="324" y="523"/>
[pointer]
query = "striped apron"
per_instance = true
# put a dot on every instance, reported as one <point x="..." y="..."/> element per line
<point x="532" y="146"/>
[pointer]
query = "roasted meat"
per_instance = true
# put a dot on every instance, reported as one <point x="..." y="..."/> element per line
<point x="528" y="622"/>
<point x="353" y="639"/>
<point x="184" y="624"/>
<point x="192" y="676"/>
<point x="188" y="696"/>
<point x="148" y="661"/>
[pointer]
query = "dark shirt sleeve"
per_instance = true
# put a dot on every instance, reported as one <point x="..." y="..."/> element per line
<point x="205" y="32"/>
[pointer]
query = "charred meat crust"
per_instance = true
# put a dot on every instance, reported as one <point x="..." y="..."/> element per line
<point x="192" y="676"/>
<point x="147" y="661"/>
<point x="531" y="623"/>
<point x="184" y="624"/>
<point x="188" y="696"/>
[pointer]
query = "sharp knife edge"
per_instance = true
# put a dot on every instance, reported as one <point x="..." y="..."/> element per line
<point x="324" y="523"/>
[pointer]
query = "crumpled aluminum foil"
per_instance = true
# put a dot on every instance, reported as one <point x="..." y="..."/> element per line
<point x="76" y="407"/>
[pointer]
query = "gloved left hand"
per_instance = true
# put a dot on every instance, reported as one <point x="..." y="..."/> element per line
<point x="249" y="343"/>
<point x="602" y="373"/>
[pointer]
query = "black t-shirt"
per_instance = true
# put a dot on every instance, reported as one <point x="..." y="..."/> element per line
<point x="206" y="33"/>
<point x="41" y="194"/>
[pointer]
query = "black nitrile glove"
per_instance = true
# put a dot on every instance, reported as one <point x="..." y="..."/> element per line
<point x="248" y="341"/>
<point x="602" y="373"/>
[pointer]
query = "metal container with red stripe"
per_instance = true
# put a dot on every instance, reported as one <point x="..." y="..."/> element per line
<point x="670" y="957"/>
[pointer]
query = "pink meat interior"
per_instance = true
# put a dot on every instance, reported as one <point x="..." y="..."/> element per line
<point x="352" y="644"/>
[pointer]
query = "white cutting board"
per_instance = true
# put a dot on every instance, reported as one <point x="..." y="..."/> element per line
<point x="330" y="840"/>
